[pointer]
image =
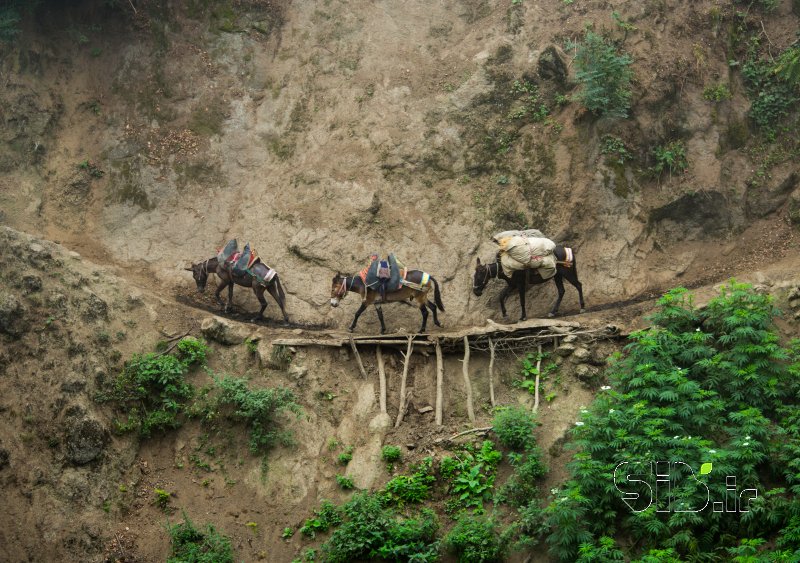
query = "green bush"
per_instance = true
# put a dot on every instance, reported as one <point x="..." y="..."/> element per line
<point x="411" y="488"/>
<point x="615" y="149"/>
<point x="670" y="158"/>
<point x="711" y="386"/>
<point x="514" y="427"/>
<point x="605" y="76"/>
<point x="390" y="454"/>
<point x="345" y="482"/>
<point x="471" y="475"/>
<point x="258" y="409"/>
<point x="772" y="96"/>
<point x="521" y="487"/>
<point x="346" y="456"/>
<point x="327" y="516"/>
<point x="153" y="390"/>
<point x="717" y="93"/>
<point x="475" y="540"/>
<point x="192" y="351"/>
<point x="191" y="545"/>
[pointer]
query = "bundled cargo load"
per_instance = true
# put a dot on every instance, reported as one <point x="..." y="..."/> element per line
<point x="519" y="250"/>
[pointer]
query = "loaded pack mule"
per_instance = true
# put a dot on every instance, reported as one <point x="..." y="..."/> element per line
<point x="259" y="276"/>
<point x="521" y="279"/>
<point x="415" y="287"/>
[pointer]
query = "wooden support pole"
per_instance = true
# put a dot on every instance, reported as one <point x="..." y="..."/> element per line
<point x="358" y="358"/>
<point x="491" y="371"/>
<point x="467" y="384"/>
<point x="381" y="378"/>
<point x="406" y="361"/>
<point x="536" y="385"/>
<point x="439" y="381"/>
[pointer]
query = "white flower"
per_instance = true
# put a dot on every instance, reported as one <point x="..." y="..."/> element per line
<point x="584" y="411"/>
<point x="579" y="423"/>
<point x="697" y="329"/>
<point x="747" y="437"/>
<point x="712" y="451"/>
<point x="611" y="411"/>
<point x="746" y="444"/>
<point x="675" y="437"/>
<point x="554" y="491"/>
<point x="605" y="388"/>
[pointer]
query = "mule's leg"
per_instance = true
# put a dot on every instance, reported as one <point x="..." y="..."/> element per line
<point x="572" y="278"/>
<point x="222" y="285"/>
<point x="503" y="295"/>
<point x="432" y="307"/>
<point x="273" y="290"/>
<point x="560" y="286"/>
<point x="259" y="291"/>
<point x="522" y="288"/>
<point x="229" y="306"/>
<point x="379" y="310"/>
<point x="424" y="310"/>
<point x="361" y="309"/>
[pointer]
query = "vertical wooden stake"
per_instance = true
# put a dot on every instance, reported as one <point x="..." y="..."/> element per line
<point x="467" y="384"/>
<point x="406" y="362"/>
<point x="491" y="371"/>
<point x="358" y="358"/>
<point x="536" y="385"/>
<point x="381" y="378"/>
<point x="439" y="378"/>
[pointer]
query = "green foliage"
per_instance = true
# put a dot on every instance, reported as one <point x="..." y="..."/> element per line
<point x="697" y="388"/>
<point x="615" y="148"/>
<point x="346" y="456"/>
<point x="670" y="158"/>
<point x="258" y="409"/>
<point x="771" y="87"/>
<point x="529" y="104"/>
<point x="514" y="427"/>
<point x="327" y="516"/>
<point x="9" y="21"/>
<point x="191" y="545"/>
<point x="520" y="489"/>
<point x="717" y="93"/>
<point x="529" y="371"/>
<point x="475" y="540"/>
<point x="471" y="474"/>
<point x="162" y="498"/>
<point x="605" y="76"/>
<point x="390" y="454"/>
<point x="604" y="551"/>
<point x="345" y="482"/>
<point x="370" y="530"/>
<point x="411" y="488"/>
<point x="192" y="351"/>
<point x="153" y="390"/>
<point x="280" y="357"/>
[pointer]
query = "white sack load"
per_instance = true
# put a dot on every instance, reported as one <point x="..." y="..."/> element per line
<point x="527" y="233"/>
<point x="518" y="253"/>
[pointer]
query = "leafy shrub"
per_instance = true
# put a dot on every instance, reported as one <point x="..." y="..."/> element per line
<point x="411" y="488"/>
<point x="471" y="475"/>
<point x="345" y="482"/>
<point x="258" y="409"/>
<point x="670" y="157"/>
<point x="605" y="75"/>
<point x="325" y="517"/>
<point x="153" y="390"/>
<point x="514" y="427"/>
<point x="346" y="456"/>
<point x="697" y="387"/>
<point x="529" y="103"/>
<point x="521" y="488"/>
<point x="190" y="545"/>
<point x="771" y="95"/>
<point x="717" y="93"/>
<point x="475" y="540"/>
<point x="615" y="148"/>
<point x="192" y="351"/>
<point x="390" y="454"/>
<point x="604" y="550"/>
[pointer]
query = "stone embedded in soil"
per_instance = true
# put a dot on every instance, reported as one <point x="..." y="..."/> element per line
<point x="95" y="308"/>
<point x="565" y="349"/>
<point x="31" y="283"/>
<point x="222" y="331"/>
<point x="585" y="372"/>
<point x="86" y="439"/>
<point x="12" y="315"/>
<point x="582" y="355"/>
<point x="298" y="372"/>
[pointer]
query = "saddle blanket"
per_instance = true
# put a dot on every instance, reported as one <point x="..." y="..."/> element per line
<point x="418" y="286"/>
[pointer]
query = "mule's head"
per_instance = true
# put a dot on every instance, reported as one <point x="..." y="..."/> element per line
<point x="481" y="278"/>
<point x="200" y="274"/>
<point x="338" y="289"/>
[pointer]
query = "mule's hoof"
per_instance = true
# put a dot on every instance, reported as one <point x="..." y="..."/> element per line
<point x="583" y="310"/>
<point x="522" y="319"/>
<point x="550" y="315"/>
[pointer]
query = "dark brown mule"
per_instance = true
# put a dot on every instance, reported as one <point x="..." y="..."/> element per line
<point x="203" y="269"/>
<point x="520" y="280"/>
<point x="342" y="284"/>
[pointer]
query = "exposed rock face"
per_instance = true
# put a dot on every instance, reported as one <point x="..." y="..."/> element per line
<point x="695" y="215"/>
<point x="12" y="315"/>
<point x="222" y="331"/>
<point x="86" y="439"/>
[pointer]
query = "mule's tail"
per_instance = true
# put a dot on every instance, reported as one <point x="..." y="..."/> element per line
<point x="437" y="296"/>
<point x="280" y="288"/>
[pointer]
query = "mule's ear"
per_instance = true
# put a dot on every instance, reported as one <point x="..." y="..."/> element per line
<point x="479" y="260"/>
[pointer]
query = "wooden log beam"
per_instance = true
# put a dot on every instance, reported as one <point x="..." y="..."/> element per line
<point x="406" y="361"/>
<point x="439" y="382"/>
<point x="381" y="379"/>
<point x="358" y="359"/>
<point x="491" y="371"/>
<point x="467" y="384"/>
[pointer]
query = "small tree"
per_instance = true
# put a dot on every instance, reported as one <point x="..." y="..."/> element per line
<point x="605" y="75"/>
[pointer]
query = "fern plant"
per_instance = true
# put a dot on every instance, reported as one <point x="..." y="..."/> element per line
<point x="605" y="75"/>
